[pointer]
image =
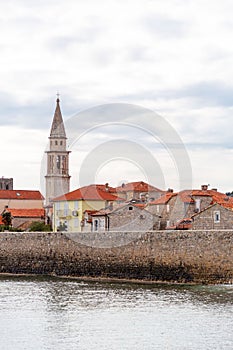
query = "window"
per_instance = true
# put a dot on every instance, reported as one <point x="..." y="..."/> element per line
<point x="61" y="143"/>
<point x="56" y="143"/>
<point x="157" y="208"/>
<point x="217" y="216"/>
<point x="102" y="223"/>
<point x="58" y="162"/>
<point x="66" y="209"/>
<point x="65" y="226"/>
<point x="75" y="222"/>
<point x="76" y="205"/>
<point x="168" y="208"/>
<point x="57" y="206"/>
<point x="130" y="208"/>
<point x="96" y="225"/>
<point x="198" y="205"/>
<point x="64" y="164"/>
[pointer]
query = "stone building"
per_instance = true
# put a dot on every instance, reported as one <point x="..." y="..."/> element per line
<point x="139" y="191"/>
<point x="57" y="178"/>
<point x="125" y="217"/>
<point x="163" y="207"/>
<point x="173" y="207"/>
<point x="6" y="183"/>
<point x="215" y="216"/>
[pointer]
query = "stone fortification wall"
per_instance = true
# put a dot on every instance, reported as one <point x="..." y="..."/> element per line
<point x="177" y="256"/>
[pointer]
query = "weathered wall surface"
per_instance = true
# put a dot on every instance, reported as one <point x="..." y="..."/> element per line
<point x="205" y="220"/>
<point x="16" y="222"/>
<point x="181" y="256"/>
<point x="131" y="218"/>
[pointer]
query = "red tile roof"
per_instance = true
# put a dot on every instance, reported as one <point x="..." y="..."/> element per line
<point x="230" y="208"/>
<point x="27" y="213"/>
<point x="106" y="188"/>
<point x="90" y="211"/>
<point x="91" y="192"/>
<point x="163" y="199"/>
<point x="188" y="196"/>
<point x="226" y="204"/>
<point x="21" y="194"/>
<point x="1" y="222"/>
<point x="101" y="212"/>
<point x="140" y="205"/>
<point x="138" y="186"/>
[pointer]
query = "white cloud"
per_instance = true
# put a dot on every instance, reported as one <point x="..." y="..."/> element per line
<point x="174" y="57"/>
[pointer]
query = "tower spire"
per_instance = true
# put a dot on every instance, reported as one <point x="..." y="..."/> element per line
<point x="57" y="128"/>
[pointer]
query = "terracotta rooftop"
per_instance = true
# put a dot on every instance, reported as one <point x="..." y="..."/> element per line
<point x="106" y="188"/>
<point x="138" y="186"/>
<point x="21" y="194"/>
<point x="163" y="199"/>
<point x="230" y="208"/>
<point x="91" y="192"/>
<point x="226" y="204"/>
<point x="90" y="211"/>
<point x="140" y="205"/>
<point x="188" y="196"/>
<point x="27" y="213"/>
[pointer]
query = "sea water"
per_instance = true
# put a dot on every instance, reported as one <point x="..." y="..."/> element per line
<point x="48" y="313"/>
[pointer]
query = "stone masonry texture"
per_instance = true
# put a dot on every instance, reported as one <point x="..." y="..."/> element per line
<point x="174" y="256"/>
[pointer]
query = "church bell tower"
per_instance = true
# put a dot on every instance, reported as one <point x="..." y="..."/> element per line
<point x="57" y="178"/>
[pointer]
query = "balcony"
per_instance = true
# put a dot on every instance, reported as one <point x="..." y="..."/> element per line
<point x="64" y="214"/>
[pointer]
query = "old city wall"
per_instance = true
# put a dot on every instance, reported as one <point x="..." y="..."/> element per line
<point x="173" y="256"/>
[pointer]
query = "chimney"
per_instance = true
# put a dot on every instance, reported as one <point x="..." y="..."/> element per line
<point x="106" y="187"/>
<point x="204" y="187"/>
<point x="214" y="189"/>
<point x="170" y="190"/>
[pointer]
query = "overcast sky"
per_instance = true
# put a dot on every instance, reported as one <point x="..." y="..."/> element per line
<point x="173" y="57"/>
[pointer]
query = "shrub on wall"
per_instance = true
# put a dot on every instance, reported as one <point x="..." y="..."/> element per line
<point x="39" y="226"/>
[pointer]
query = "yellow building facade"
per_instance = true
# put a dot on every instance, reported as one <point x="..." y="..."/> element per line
<point x="69" y="209"/>
<point x="68" y="215"/>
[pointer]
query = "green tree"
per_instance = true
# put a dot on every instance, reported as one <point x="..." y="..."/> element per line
<point x="7" y="219"/>
<point x="62" y="227"/>
<point x="39" y="226"/>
